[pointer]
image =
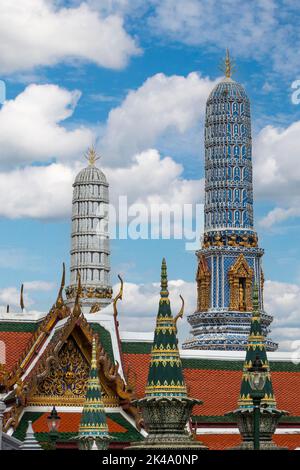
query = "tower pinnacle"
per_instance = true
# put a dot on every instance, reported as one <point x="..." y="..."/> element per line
<point x="166" y="407"/>
<point x="91" y="156"/>
<point x="90" y="250"/>
<point x="164" y="293"/>
<point x="230" y="259"/>
<point x="227" y="66"/>
<point x="93" y="426"/>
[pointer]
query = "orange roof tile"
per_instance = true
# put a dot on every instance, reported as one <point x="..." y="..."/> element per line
<point x="227" y="441"/>
<point x="210" y="385"/>
<point x="15" y="343"/>
<point x="139" y="364"/>
<point x="220" y="441"/>
<point x="287" y="440"/>
<point x="206" y="385"/>
<point x="70" y="423"/>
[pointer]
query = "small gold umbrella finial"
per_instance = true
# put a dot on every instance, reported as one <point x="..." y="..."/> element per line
<point x="91" y="156"/>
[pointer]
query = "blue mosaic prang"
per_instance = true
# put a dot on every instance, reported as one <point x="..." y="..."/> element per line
<point x="228" y="220"/>
<point x="228" y="165"/>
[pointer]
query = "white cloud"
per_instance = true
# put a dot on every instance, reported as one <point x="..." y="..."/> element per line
<point x="203" y="22"/>
<point x="278" y="215"/>
<point x="161" y="178"/>
<point x="277" y="171"/>
<point x="160" y="104"/>
<point x="138" y="310"/>
<point x="45" y="192"/>
<point x="36" y="192"/>
<point x="266" y="31"/>
<point x="282" y="300"/>
<point x="140" y="304"/>
<point x="119" y="7"/>
<point x="38" y="285"/>
<point x="11" y="295"/>
<point x="39" y="33"/>
<point x="31" y="130"/>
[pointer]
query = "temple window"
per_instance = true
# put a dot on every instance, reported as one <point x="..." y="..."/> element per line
<point x="240" y="282"/>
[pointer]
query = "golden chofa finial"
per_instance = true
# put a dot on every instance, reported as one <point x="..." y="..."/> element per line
<point x="228" y="65"/>
<point x="22" y="298"/>
<point x="77" y="308"/>
<point x="60" y="300"/>
<point x="91" y="156"/>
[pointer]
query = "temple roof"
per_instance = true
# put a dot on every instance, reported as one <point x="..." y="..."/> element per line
<point x="228" y="88"/>
<point x="215" y="378"/>
<point x="120" y="428"/>
<point x="90" y="174"/>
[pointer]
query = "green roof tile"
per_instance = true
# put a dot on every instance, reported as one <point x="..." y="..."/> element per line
<point x="29" y="327"/>
<point x="105" y="339"/>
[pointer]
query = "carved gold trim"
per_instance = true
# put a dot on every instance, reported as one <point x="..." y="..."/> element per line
<point x="203" y="285"/>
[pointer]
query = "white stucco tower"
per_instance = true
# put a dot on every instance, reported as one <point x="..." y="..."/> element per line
<point x="90" y="238"/>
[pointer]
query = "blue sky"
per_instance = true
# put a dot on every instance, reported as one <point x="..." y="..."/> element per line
<point x="133" y="76"/>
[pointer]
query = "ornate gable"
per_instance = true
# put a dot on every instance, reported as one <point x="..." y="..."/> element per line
<point x="65" y="382"/>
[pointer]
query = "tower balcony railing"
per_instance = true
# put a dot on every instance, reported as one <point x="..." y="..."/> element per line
<point x="202" y="318"/>
<point x="226" y="140"/>
<point x="90" y="215"/>
<point x="217" y="119"/>
<point x="90" y="198"/>
<point x="219" y="183"/>
<point x="91" y="232"/>
<point x="225" y="162"/>
<point x="214" y="141"/>
<point x="90" y="265"/>
<point x="90" y="247"/>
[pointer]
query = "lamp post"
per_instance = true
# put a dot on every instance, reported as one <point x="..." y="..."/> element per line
<point x="257" y="382"/>
<point x="53" y="421"/>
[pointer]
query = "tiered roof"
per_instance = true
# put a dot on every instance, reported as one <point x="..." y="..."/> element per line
<point x="93" y="420"/>
<point x="165" y="372"/>
<point x="256" y="349"/>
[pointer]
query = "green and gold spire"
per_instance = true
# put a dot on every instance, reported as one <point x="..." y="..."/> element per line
<point x="256" y="349"/>
<point x="93" y="426"/>
<point x="165" y="377"/>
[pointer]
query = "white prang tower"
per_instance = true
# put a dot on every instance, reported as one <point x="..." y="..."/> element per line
<point x="90" y="238"/>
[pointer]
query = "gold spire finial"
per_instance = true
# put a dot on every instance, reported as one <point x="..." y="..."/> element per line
<point x="164" y="293"/>
<point x="91" y="156"/>
<point x="228" y="65"/>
